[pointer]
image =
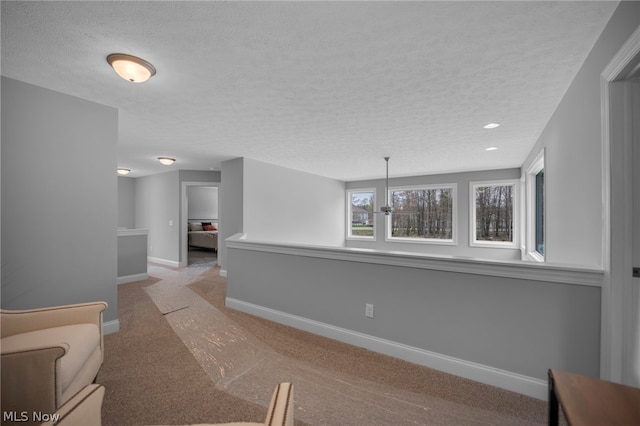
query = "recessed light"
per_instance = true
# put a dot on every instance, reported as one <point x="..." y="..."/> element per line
<point x="491" y="126"/>
<point x="123" y="171"/>
<point x="491" y="148"/>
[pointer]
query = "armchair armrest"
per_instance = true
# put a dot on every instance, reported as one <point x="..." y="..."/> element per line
<point x="280" y="410"/>
<point x="29" y="377"/>
<point x="84" y="409"/>
<point x="23" y="321"/>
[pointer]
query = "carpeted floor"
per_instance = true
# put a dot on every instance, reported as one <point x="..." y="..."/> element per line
<point x="151" y="377"/>
<point x="154" y="375"/>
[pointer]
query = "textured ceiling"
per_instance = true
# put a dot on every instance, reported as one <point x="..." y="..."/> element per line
<point x="325" y="87"/>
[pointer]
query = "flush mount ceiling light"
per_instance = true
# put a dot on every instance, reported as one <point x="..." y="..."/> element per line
<point x="167" y="161"/>
<point x="491" y="126"/>
<point x="123" y="171"/>
<point x="131" y="68"/>
<point x="491" y="148"/>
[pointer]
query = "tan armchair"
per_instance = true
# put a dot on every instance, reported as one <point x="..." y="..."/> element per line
<point x="48" y="355"/>
<point x="280" y="412"/>
<point x="84" y="409"/>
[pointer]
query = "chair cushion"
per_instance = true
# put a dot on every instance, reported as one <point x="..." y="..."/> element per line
<point x="81" y="339"/>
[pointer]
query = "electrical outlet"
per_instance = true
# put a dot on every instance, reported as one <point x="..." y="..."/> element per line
<point x="368" y="310"/>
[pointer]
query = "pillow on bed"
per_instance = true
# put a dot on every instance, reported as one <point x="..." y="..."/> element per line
<point x="195" y="227"/>
<point x="209" y="228"/>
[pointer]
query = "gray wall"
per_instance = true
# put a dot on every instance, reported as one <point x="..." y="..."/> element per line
<point x="231" y="204"/>
<point x="573" y="142"/>
<point x="59" y="199"/>
<point x="157" y="208"/>
<point x="521" y="326"/>
<point x="126" y="202"/>
<point x="285" y="205"/>
<point x="132" y="255"/>
<point x="273" y="203"/>
<point x="202" y="202"/>
<point x="462" y="247"/>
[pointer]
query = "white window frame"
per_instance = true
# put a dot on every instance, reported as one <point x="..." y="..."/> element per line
<point x="454" y="214"/>
<point x="349" y="236"/>
<point x="473" y="242"/>
<point x="529" y="251"/>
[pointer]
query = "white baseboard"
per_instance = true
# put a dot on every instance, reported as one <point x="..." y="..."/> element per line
<point x="514" y="382"/>
<point x="164" y="261"/>
<point x="111" y="327"/>
<point x="223" y="273"/>
<point x="133" y="278"/>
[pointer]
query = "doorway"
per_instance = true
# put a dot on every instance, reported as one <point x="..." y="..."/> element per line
<point x="620" y="346"/>
<point x="199" y="205"/>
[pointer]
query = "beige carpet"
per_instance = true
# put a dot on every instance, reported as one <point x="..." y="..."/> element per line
<point x="203" y="362"/>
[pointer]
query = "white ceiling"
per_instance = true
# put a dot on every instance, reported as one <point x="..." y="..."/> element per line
<point x="325" y="87"/>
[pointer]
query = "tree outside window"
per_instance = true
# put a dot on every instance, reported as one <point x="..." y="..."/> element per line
<point x="494" y="213"/>
<point x="424" y="213"/>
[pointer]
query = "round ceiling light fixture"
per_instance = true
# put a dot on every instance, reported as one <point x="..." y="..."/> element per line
<point x="491" y="126"/>
<point x="131" y="68"/>
<point x="123" y="171"/>
<point x="167" y="161"/>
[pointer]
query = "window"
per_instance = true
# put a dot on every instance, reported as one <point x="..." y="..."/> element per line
<point x="422" y="214"/>
<point x="361" y="205"/>
<point x="534" y="180"/>
<point x="494" y="215"/>
<point x="540" y="212"/>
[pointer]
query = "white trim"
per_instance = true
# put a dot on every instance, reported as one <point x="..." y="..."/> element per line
<point x="223" y="273"/>
<point x="350" y="214"/>
<point x="126" y="232"/>
<point x="612" y="339"/>
<point x="163" y="261"/>
<point x="530" y="205"/>
<point x="515" y="214"/>
<point x="534" y="256"/>
<point x="515" y="382"/>
<point x="132" y="278"/>
<point x="110" y="327"/>
<point x="184" y="207"/>
<point x="454" y="215"/>
<point x="567" y="274"/>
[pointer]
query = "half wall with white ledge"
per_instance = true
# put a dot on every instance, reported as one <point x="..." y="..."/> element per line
<point x="132" y="255"/>
<point x="503" y="323"/>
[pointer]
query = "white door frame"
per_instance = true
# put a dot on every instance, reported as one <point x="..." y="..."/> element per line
<point x="184" y="219"/>
<point x="617" y="190"/>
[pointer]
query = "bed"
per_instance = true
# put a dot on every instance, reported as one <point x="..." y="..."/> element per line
<point x="203" y="235"/>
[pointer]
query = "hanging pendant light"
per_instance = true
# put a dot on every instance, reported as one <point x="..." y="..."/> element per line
<point x="386" y="209"/>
